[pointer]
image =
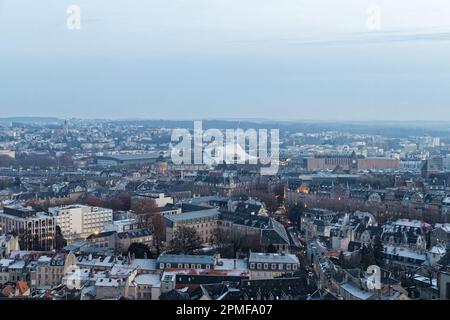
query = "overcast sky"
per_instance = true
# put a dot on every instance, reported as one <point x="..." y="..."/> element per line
<point x="275" y="59"/>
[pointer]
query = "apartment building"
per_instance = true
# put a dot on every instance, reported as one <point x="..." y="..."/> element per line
<point x="49" y="271"/>
<point x="204" y="221"/>
<point x="271" y="265"/>
<point x="80" y="221"/>
<point x="37" y="229"/>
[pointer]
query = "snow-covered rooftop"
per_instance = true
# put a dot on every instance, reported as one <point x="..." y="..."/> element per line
<point x="443" y="226"/>
<point x="148" y="279"/>
<point x="410" y="223"/>
<point x="438" y="250"/>
<point x="405" y="252"/>
<point x="231" y="264"/>
<point x="44" y="259"/>
<point x="426" y="280"/>
<point x="6" y="262"/>
<point x="144" y="264"/>
<point x="121" y="271"/>
<point x="105" y="282"/>
<point x="357" y="292"/>
<point x="18" y="264"/>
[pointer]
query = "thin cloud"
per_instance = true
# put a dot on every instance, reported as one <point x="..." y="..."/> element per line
<point x="351" y="38"/>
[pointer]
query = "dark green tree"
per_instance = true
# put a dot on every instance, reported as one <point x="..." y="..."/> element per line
<point x="271" y="249"/>
<point x="60" y="242"/>
<point x="367" y="257"/>
<point x="295" y="214"/>
<point x="342" y="261"/>
<point x="140" y="251"/>
<point x="378" y="251"/>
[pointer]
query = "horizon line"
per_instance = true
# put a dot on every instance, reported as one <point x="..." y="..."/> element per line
<point x="231" y="119"/>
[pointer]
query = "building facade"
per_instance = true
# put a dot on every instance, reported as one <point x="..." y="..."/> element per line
<point x="204" y="221"/>
<point x="271" y="265"/>
<point x="36" y="229"/>
<point x="80" y="221"/>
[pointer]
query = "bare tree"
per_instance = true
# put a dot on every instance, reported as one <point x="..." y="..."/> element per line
<point x="144" y="209"/>
<point x="186" y="240"/>
<point x="230" y="242"/>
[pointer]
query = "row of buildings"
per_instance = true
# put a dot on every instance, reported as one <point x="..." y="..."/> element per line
<point x="71" y="275"/>
<point x="75" y="222"/>
<point x="411" y="255"/>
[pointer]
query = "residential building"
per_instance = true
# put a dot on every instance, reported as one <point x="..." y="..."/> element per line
<point x="8" y="243"/>
<point x="37" y="229"/>
<point x="143" y="287"/>
<point x="51" y="270"/>
<point x="204" y="221"/>
<point x="267" y="231"/>
<point x="173" y="261"/>
<point x="191" y="278"/>
<point x="80" y="221"/>
<point x="105" y="240"/>
<point x="4" y="270"/>
<point x="440" y="235"/>
<point x="126" y="238"/>
<point x="271" y="265"/>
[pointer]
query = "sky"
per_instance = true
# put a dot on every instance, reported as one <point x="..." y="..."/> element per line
<point x="203" y="59"/>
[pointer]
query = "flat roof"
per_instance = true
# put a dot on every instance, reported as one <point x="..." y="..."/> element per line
<point x="256" y="257"/>
<point x="107" y="282"/>
<point x="131" y="157"/>
<point x="231" y="264"/>
<point x="206" y="272"/>
<point x="181" y="258"/>
<point x="144" y="264"/>
<point x="6" y="262"/>
<point x="193" y="215"/>
<point x="148" y="279"/>
<point x="405" y="252"/>
<point x="356" y="292"/>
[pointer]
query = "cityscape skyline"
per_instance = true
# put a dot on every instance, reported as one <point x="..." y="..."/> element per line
<point x="224" y="157"/>
<point x="125" y="210"/>
<point x="437" y="124"/>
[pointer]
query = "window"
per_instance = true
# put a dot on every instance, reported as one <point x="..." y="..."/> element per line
<point x="273" y="266"/>
<point x="192" y="266"/>
<point x="186" y="266"/>
<point x="252" y="266"/>
<point x="180" y="266"/>
<point x="199" y="266"/>
<point x="259" y="266"/>
<point x="294" y="267"/>
<point x="280" y="266"/>
<point x="208" y="266"/>
<point x="288" y="267"/>
<point x="161" y="265"/>
<point x="266" y="266"/>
